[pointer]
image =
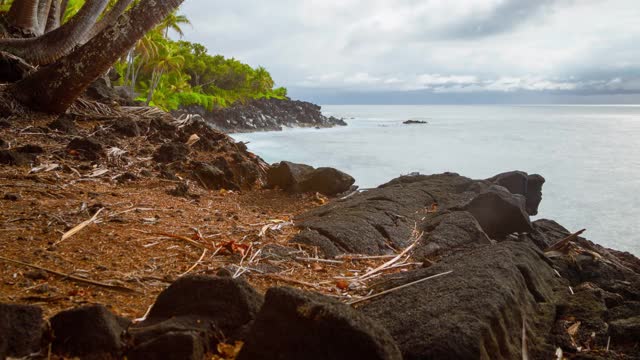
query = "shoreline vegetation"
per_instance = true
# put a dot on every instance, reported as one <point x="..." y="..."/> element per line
<point x="130" y="231"/>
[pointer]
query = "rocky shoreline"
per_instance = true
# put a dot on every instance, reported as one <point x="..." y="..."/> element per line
<point x="264" y="115"/>
<point x="424" y="266"/>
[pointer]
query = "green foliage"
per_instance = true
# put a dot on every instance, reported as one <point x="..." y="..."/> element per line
<point x="172" y="74"/>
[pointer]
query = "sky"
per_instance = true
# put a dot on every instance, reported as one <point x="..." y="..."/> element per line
<point x="432" y="51"/>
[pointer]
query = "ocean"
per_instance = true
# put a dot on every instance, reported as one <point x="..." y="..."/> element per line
<point x="590" y="155"/>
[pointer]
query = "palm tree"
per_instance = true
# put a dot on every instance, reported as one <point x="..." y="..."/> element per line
<point x="167" y="61"/>
<point x="53" y="45"/>
<point x="55" y="87"/>
<point x="173" y="22"/>
<point x="23" y="15"/>
<point x="116" y="10"/>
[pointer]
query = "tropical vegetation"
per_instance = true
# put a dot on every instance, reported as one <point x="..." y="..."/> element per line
<point x="73" y="42"/>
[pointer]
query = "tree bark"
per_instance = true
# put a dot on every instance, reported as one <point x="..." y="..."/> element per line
<point x="54" y="88"/>
<point x="108" y="19"/>
<point x="43" y="14"/>
<point x="23" y="15"/>
<point x="53" y="45"/>
<point x="53" y="20"/>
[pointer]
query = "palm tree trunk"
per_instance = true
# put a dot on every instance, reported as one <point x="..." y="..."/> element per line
<point x="23" y="14"/>
<point x="53" y="20"/>
<point x="43" y="14"/>
<point x="108" y="19"/>
<point x="53" y="45"/>
<point x="54" y="88"/>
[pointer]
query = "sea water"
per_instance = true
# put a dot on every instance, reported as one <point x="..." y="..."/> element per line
<point x="590" y="155"/>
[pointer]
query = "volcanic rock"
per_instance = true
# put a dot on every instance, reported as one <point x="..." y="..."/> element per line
<point x="294" y="324"/>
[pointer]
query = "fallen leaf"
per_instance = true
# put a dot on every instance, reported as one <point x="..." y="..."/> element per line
<point x="342" y="284"/>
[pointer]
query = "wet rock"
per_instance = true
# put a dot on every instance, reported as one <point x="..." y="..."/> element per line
<point x="64" y="125"/>
<point x="87" y="330"/>
<point x="287" y="175"/>
<point x="21" y="330"/>
<point x="294" y="324"/>
<point x="500" y="213"/>
<point x="477" y="311"/>
<point x="519" y="182"/>
<point x="13" y="158"/>
<point x="414" y="122"/>
<point x="126" y="127"/>
<point x="449" y="231"/>
<point x="171" y="152"/>
<point x="170" y="346"/>
<point x="327" y="181"/>
<point x="210" y="306"/>
<point x="86" y="148"/>
<point x="371" y="221"/>
<point x="12" y="197"/>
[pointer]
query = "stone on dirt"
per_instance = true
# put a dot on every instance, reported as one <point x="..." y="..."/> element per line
<point x="210" y="306"/>
<point x="14" y="158"/>
<point x="170" y="346"/>
<point x="294" y="324"/>
<point x="86" y="148"/>
<point x="21" y="330"/>
<point x="171" y="152"/>
<point x="87" y="330"/>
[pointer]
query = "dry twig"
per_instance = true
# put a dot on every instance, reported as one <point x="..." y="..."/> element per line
<point x="71" y="277"/>
<point x="353" y="302"/>
<point x="79" y="227"/>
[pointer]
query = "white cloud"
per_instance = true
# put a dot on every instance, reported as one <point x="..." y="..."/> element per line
<point x="440" y="45"/>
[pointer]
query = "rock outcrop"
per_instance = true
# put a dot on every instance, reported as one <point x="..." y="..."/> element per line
<point x="264" y="115"/>
<point x="297" y="178"/>
<point x="299" y="325"/>
<point x="478" y="311"/>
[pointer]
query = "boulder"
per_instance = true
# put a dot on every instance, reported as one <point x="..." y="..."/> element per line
<point x="287" y="175"/>
<point x="327" y="181"/>
<point x="500" y="212"/>
<point x="371" y="221"/>
<point x="169" y="346"/>
<point x="294" y="324"/>
<point x="21" y="330"/>
<point x="86" y="148"/>
<point x="87" y="330"/>
<point x="478" y="310"/>
<point x="447" y="231"/>
<point x="211" y="177"/>
<point x="210" y="306"/>
<point x="171" y="152"/>
<point x="519" y="182"/>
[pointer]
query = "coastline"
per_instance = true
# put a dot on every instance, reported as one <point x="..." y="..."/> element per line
<point x="173" y="213"/>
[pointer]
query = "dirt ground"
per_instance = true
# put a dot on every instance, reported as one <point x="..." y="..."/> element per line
<point x="142" y="237"/>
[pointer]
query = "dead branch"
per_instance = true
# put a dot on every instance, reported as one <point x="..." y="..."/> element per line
<point x="71" y="277"/>
<point x="560" y="244"/>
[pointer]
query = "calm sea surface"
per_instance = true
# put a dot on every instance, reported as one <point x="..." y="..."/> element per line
<point x="590" y="155"/>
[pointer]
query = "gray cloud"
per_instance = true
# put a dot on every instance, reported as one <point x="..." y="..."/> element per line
<point x="470" y="47"/>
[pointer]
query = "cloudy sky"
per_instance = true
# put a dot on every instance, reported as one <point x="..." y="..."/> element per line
<point x="432" y="51"/>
